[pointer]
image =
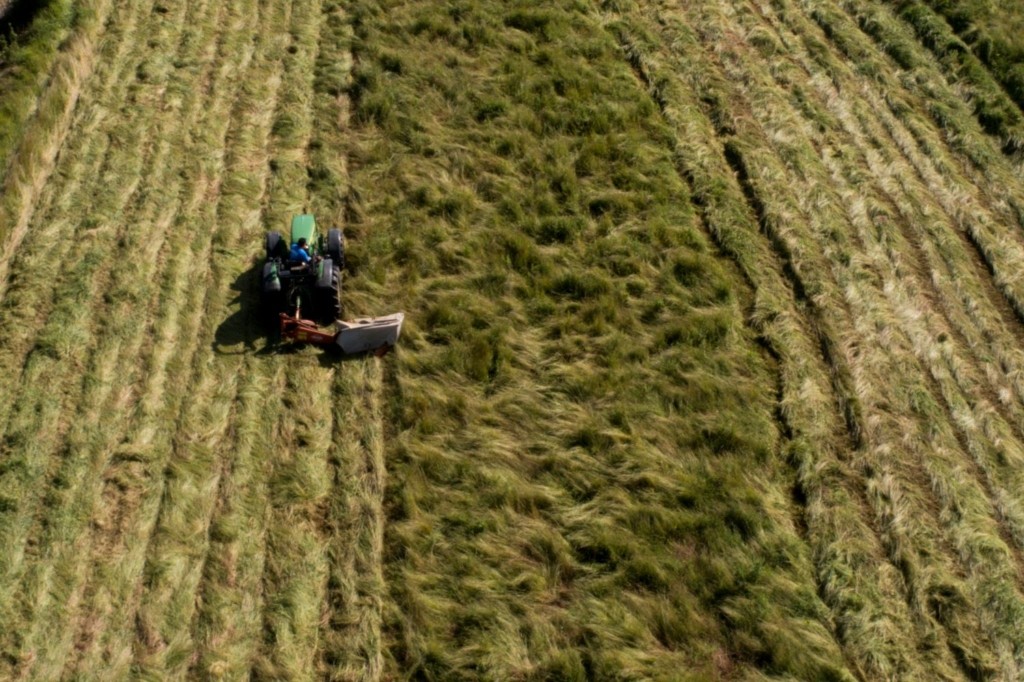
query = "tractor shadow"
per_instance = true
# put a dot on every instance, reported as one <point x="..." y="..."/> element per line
<point x="240" y="332"/>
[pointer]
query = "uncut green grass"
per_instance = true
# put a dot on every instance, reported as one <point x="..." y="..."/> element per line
<point x="583" y="466"/>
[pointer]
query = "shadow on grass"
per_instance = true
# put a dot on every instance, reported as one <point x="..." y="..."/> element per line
<point x="17" y="17"/>
<point x="249" y="322"/>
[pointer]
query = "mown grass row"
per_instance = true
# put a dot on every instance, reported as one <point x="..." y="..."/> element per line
<point x="352" y="646"/>
<point x="31" y="296"/>
<point x="982" y="350"/>
<point x="126" y="284"/>
<point x="182" y="272"/>
<point x="300" y="476"/>
<point x="996" y="111"/>
<point x="65" y="338"/>
<point x="580" y="498"/>
<point x="788" y="85"/>
<point x="351" y="643"/>
<point x="978" y="295"/>
<point x="1004" y="444"/>
<point x="951" y="485"/>
<point x="946" y="177"/>
<point x="918" y="70"/>
<point x="993" y="34"/>
<point x="896" y="344"/>
<point x="142" y="462"/>
<point x="979" y="216"/>
<point x="841" y="562"/>
<point x="981" y="336"/>
<point x="200" y="478"/>
<point x="221" y="419"/>
<point x="228" y="627"/>
<point x="952" y="489"/>
<point x="109" y="473"/>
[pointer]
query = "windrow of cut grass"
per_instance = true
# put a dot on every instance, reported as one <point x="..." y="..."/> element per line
<point x="983" y="332"/>
<point x="996" y="111"/>
<point x="83" y="165"/>
<point x="947" y="177"/>
<point x="138" y="499"/>
<point x="584" y="476"/>
<point x="950" y="489"/>
<point x="228" y="627"/>
<point x="350" y="645"/>
<point x="300" y="477"/>
<point x="106" y="471"/>
<point x="977" y="537"/>
<point x="208" y="430"/>
<point x="980" y="215"/>
<point x="920" y="261"/>
<point x="65" y="338"/>
<point x="993" y="33"/>
<point x="941" y="171"/>
<point x="123" y="288"/>
<point x="864" y="592"/>
<point x="33" y="161"/>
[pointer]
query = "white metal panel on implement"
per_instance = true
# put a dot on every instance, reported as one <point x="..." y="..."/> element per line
<point x="370" y="333"/>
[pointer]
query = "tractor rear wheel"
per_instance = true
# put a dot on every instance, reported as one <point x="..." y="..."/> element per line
<point x="326" y="301"/>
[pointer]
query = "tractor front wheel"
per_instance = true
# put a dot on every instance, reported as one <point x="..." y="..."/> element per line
<point x="336" y="247"/>
<point x="275" y="246"/>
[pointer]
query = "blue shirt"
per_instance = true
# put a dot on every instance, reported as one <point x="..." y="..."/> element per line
<point x="299" y="254"/>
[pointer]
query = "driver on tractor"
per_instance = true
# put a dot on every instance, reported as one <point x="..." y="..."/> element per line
<point x="300" y="252"/>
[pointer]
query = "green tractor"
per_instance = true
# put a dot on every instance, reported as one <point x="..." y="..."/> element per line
<point x="294" y="288"/>
<point x="314" y="287"/>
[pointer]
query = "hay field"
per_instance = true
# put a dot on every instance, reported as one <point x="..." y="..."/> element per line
<point x="713" y="365"/>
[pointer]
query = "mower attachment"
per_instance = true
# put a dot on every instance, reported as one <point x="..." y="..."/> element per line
<point x="378" y="334"/>
<point x="371" y="333"/>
